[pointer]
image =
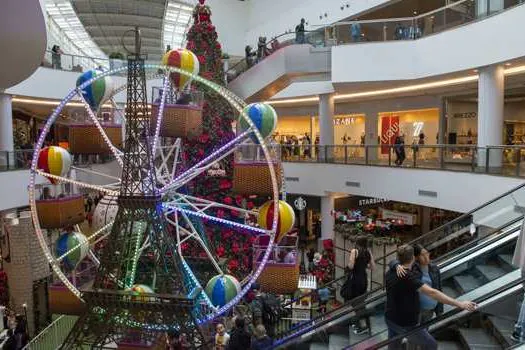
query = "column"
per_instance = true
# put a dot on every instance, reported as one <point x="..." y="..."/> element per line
<point x="6" y="130"/>
<point x="326" y="124"/>
<point x="491" y="88"/>
<point x="327" y="220"/>
<point x="371" y="127"/>
<point x="442" y="127"/>
<point x="312" y="137"/>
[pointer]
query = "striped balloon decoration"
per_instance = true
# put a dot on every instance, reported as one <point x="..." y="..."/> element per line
<point x="285" y="218"/>
<point x="138" y="290"/>
<point x="185" y="60"/>
<point x="97" y="92"/>
<point x="222" y="288"/>
<point x="68" y="241"/>
<point x="263" y="116"/>
<point x="55" y="161"/>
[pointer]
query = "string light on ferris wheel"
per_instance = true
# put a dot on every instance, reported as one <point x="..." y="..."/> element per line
<point x="235" y="101"/>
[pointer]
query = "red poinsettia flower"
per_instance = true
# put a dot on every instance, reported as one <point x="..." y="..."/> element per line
<point x="250" y="205"/>
<point x="220" y="213"/>
<point x="238" y="200"/>
<point x="218" y="46"/>
<point x="225" y="184"/>
<point x="235" y="213"/>
<point x="233" y="265"/>
<point x="201" y="59"/>
<point x="228" y="200"/>
<point x="204" y="138"/>
<point x="220" y="251"/>
<point x="235" y="248"/>
<point x="200" y="152"/>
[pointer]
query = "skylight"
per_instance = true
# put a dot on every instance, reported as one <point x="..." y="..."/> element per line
<point x="177" y="20"/>
<point x="65" y="17"/>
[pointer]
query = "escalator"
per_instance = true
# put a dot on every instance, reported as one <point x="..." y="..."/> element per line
<point x="477" y="269"/>
<point x="489" y="327"/>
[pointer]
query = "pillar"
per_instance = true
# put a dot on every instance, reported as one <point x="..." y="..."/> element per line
<point x="327" y="220"/>
<point x="371" y="128"/>
<point x="442" y="127"/>
<point x="491" y="88"/>
<point x="326" y="123"/>
<point x="6" y="130"/>
<point x="424" y="219"/>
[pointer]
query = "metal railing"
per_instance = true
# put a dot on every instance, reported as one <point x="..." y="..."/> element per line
<point x="450" y="16"/>
<point x="496" y="160"/>
<point x="15" y="160"/>
<point x="53" y="335"/>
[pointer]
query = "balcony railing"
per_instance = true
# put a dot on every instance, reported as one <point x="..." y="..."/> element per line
<point x="453" y="15"/>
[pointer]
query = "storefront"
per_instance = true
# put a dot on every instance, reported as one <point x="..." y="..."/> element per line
<point x="295" y="127"/>
<point x="349" y="129"/>
<point x="462" y="122"/>
<point x="412" y="124"/>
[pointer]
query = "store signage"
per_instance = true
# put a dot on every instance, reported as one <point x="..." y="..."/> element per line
<point x="216" y="170"/>
<point x="370" y="201"/>
<point x="344" y="121"/>
<point x="300" y="203"/>
<point x="467" y="115"/>
<point x="389" y="132"/>
<point x="408" y="219"/>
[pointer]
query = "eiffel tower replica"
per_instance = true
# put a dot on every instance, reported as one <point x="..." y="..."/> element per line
<point x="114" y="314"/>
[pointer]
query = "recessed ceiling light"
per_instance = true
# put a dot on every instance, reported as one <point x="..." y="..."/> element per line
<point x="508" y="64"/>
<point x="475" y="71"/>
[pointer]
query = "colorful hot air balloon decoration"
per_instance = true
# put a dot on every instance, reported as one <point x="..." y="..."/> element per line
<point x="54" y="160"/>
<point x="105" y="212"/>
<point x="263" y="116"/>
<point x="185" y="60"/>
<point x="68" y="241"/>
<point x="221" y="289"/>
<point x="285" y="218"/>
<point x="97" y="92"/>
<point x="138" y="291"/>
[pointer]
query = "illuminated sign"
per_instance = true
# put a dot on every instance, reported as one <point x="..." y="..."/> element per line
<point x="344" y="121"/>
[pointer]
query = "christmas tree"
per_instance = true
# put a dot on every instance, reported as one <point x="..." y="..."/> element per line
<point x="230" y="246"/>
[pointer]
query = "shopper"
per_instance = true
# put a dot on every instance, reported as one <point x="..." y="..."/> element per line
<point x="56" y="57"/>
<point x="173" y="341"/>
<point x="361" y="259"/>
<point x="518" y="260"/>
<point x="221" y="337"/>
<point x="403" y="305"/>
<point x="10" y="343"/>
<point x="261" y="341"/>
<point x="299" y="32"/>
<point x="240" y="339"/>
<point x="429" y="274"/>
<point x="249" y="56"/>
<point x="355" y="32"/>
<point x="399" y="149"/>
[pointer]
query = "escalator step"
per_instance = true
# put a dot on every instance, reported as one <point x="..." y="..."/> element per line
<point x="506" y="258"/>
<point x="477" y="338"/>
<point x="338" y="341"/>
<point x="449" y="345"/>
<point x="504" y="327"/>
<point x="451" y="292"/>
<point x="466" y="283"/>
<point x="319" y="346"/>
<point x="490" y="272"/>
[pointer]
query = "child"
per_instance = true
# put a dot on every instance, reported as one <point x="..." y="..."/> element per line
<point x="221" y="337"/>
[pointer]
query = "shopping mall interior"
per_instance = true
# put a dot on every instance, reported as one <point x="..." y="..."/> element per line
<point x="262" y="174"/>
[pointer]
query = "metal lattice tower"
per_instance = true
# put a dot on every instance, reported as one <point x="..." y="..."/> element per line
<point x="113" y="315"/>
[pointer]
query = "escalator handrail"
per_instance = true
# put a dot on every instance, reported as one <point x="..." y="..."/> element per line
<point x="448" y="314"/>
<point x="364" y="300"/>
<point x="456" y="220"/>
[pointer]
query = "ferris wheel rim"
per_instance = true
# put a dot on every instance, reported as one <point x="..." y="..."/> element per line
<point x="236" y="102"/>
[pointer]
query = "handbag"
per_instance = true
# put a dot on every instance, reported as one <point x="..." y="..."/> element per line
<point x="346" y="289"/>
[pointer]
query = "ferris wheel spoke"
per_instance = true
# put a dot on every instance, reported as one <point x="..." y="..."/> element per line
<point x="201" y="205"/>
<point x="167" y="154"/>
<point x="90" y="240"/>
<point x="243" y="227"/>
<point x="206" y="163"/>
<point x="78" y="183"/>
<point x="160" y="112"/>
<point x="116" y="152"/>
<point x="98" y="173"/>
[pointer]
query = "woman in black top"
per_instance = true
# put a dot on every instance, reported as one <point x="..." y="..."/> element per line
<point x="361" y="259"/>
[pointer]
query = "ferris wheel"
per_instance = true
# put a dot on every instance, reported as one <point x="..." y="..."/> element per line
<point x="58" y="184"/>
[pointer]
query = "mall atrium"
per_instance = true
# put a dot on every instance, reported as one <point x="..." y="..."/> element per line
<point x="262" y="174"/>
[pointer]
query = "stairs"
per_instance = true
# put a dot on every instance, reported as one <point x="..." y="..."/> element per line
<point x="478" y="338"/>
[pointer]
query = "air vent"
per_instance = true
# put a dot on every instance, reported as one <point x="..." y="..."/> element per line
<point x="353" y="184"/>
<point x="424" y="193"/>
<point x="292" y="179"/>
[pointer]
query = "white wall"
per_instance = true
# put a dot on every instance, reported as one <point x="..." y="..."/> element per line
<point x="56" y="84"/>
<point x="496" y="39"/>
<point x="230" y="17"/>
<point x="22" y="40"/>
<point x="273" y="17"/>
<point x="13" y="188"/>
<point x="455" y="190"/>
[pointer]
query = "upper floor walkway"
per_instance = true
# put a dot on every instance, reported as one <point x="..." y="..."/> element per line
<point x="454" y="177"/>
<point x="450" y="41"/>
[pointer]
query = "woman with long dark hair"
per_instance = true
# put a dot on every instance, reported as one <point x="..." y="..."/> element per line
<point x="361" y="259"/>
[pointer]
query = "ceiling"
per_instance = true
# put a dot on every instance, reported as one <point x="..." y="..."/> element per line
<point x="106" y="21"/>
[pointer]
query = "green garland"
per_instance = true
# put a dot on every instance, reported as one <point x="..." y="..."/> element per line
<point x="351" y="232"/>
